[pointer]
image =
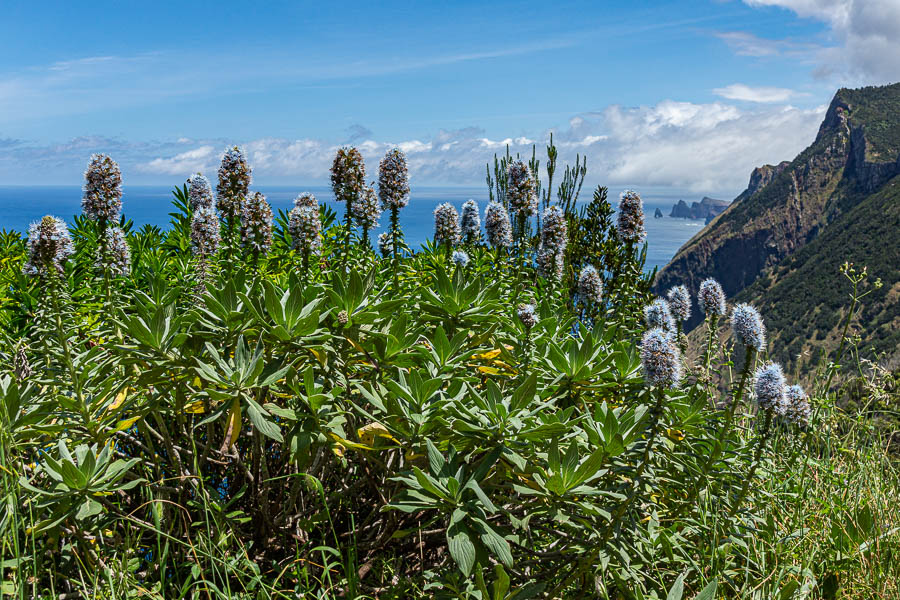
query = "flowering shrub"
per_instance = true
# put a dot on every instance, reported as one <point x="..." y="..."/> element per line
<point x="442" y="423"/>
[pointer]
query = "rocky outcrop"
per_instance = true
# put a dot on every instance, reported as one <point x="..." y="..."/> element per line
<point x="707" y="208"/>
<point x="762" y="176"/>
<point x="658" y="214"/>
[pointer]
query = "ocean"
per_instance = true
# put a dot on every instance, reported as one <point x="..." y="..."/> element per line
<point x="20" y="205"/>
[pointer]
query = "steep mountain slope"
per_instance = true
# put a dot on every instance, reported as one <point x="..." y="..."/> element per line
<point x="782" y="240"/>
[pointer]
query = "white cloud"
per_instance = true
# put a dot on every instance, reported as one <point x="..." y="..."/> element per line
<point x="746" y="93"/>
<point x="867" y="49"/>
<point x="192" y="161"/>
<point x="706" y="148"/>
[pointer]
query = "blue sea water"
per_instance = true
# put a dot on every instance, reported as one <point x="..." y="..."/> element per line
<point x="20" y="205"/>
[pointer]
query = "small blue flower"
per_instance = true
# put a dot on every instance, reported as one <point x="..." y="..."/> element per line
<point x="460" y="258"/>
<point x="658" y="315"/>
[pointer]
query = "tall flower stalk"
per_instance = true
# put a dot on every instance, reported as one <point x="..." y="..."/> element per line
<point x="231" y="193"/>
<point x="348" y="175"/>
<point x="393" y="191"/>
<point x="521" y="194"/>
<point x="770" y="391"/>
<point x="305" y="228"/>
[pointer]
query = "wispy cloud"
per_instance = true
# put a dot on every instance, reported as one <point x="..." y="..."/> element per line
<point x="763" y="94"/>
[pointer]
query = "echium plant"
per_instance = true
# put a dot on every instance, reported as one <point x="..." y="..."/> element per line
<point x="348" y="176"/>
<point x="366" y="212"/>
<point x="199" y="192"/>
<point x="552" y="249"/>
<point x="470" y="223"/>
<point x="305" y="228"/>
<point x="393" y="191"/>
<point x="589" y="292"/>
<point x="256" y="225"/>
<point x="797" y="408"/>
<point x="446" y="226"/>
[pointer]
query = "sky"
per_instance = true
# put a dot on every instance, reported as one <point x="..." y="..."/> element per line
<point x="683" y="95"/>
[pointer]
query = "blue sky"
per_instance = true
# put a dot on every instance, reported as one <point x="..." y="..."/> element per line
<point x="164" y="86"/>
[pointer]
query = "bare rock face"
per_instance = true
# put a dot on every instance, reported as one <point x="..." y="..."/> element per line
<point x="707" y="208"/>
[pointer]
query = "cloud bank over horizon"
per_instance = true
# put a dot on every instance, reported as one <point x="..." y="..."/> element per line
<point x="697" y="147"/>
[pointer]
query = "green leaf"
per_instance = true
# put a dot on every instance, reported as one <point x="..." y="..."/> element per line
<point x="461" y="549"/>
<point x="259" y="418"/>
<point x="677" y="590"/>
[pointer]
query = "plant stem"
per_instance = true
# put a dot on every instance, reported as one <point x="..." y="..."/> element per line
<point x="766" y="430"/>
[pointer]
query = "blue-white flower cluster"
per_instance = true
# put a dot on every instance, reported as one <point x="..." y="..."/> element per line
<point x="660" y="358"/>
<point x="49" y="246"/>
<point x="470" y="222"/>
<point x="199" y="192"/>
<point x="554" y="238"/>
<point x="102" y="189"/>
<point x="631" y="217"/>
<point x="748" y="327"/>
<point x="366" y="209"/>
<point x="305" y="226"/>
<point x="446" y="225"/>
<point x="234" y="183"/>
<point x="205" y="235"/>
<point x="521" y="189"/>
<point x="679" y="303"/>
<point x="770" y="388"/>
<point x="590" y="286"/>
<point x="393" y="179"/>
<point x="711" y="298"/>
<point x="658" y="315"/>
<point x="497" y="226"/>
<point x="118" y="259"/>
<point x="348" y="174"/>
<point x="256" y="223"/>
